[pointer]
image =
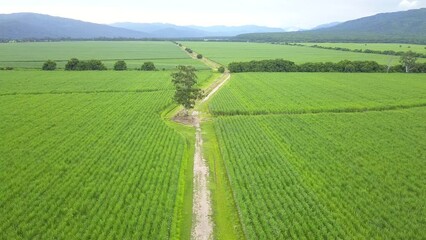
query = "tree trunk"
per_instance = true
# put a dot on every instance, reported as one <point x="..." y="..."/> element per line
<point x="406" y="69"/>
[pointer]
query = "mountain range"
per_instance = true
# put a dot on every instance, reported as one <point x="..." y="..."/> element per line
<point x="19" y="26"/>
<point x="405" y="26"/>
<point x="165" y="30"/>
<point x="38" y="26"/>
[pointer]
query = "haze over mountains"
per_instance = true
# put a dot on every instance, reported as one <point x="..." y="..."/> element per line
<point x="38" y="26"/>
<point x="165" y="30"/>
<point x="19" y="26"/>
<point x="406" y="26"/>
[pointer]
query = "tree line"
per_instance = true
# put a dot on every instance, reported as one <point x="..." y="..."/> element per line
<point x="407" y="64"/>
<point x="75" y="64"/>
<point x="385" y="52"/>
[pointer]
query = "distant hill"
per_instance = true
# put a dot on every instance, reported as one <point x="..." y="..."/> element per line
<point x="164" y="30"/>
<point x="327" y="25"/>
<point x="38" y="26"/>
<point x="407" y="26"/>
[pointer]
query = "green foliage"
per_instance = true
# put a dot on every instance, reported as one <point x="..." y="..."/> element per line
<point x="120" y="66"/>
<point x="90" y="65"/>
<point x="72" y="64"/>
<point x="186" y="92"/>
<point x="6" y="68"/>
<point x="49" y="65"/>
<point x="148" y="66"/>
<point x="280" y="65"/>
<point x="408" y="60"/>
<point x="199" y="56"/>
<point x="278" y="93"/>
<point x="221" y="69"/>
<point x="375" y="48"/>
<point x="188" y="50"/>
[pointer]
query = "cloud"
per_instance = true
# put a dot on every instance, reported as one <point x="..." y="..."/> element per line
<point x="408" y="3"/>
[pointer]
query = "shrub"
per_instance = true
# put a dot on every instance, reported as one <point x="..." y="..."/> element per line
<point x="72" y="64"/>
<point x="148" y="66"/>
<point x="280" y="65"/>
<point x="90" y="65"/>
<point x="199" y="56"/>
<point x="6" y="68"/>
<point x="75" y="65"/>
<point x="49" y="65"/>
<point x="221" y="69"/>
<point x="120" y="66"/>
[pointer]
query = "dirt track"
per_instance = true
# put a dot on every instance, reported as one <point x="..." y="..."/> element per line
<point x="202" y="227"/>
<point x="202" y="224"/>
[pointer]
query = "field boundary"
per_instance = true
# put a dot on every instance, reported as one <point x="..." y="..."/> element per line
<point x="336" y="111"/>
<point x="84" y="92"/>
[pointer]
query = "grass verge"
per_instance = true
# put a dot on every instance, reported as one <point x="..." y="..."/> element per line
<point x="225" y="213"/>
<point x="182" y="223"/>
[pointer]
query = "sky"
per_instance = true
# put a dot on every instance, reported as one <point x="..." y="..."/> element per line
<point x="302" y="14"/>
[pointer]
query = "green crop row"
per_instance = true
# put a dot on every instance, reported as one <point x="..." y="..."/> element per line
<point x="39" y="82"/>
<point x="327" y="176"/>
<point x="32" y="55"/>
<point x="84" y="166"/>
<point x="274" y="93"/>
<point x="88" y="156"/>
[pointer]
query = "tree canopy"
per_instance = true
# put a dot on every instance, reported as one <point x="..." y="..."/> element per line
<point x="120" y="66"/>
<point x="49" y="65"/>
<point x="186" y="93"/>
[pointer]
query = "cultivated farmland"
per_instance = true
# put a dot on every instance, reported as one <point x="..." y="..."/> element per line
<point x="318" y="156"/>
<point x="343" y="176"/>
<point x="226" y="53"/>
<point x="32" y="55"/>
<point x="88" y="156"/>
<point x="260" y="93"/>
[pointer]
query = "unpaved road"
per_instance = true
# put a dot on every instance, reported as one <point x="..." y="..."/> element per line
<point x="223" y="79"/>
<point x="202" y="226"/>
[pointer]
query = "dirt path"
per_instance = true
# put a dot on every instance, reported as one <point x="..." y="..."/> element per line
<point x="223" y="79"/>
<point x="211" y="64"/>
<point x="202" y="227"/>
<point x="202" y="223"/>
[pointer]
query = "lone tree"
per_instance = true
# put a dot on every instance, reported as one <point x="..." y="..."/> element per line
<point x="186" y="94"/>
<point x="408" y="60"/>
<point x="49" y="65"/>
<point x="221" y="69"/>
<point x="199" y="56"/>
<point x="120" y="66"/>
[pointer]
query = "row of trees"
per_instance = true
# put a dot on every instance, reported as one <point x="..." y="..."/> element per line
<point x="408" y="64"/>
<point x="385" y="52"/>
<point x="6" y="68"/>
<point x="77" y="65"/>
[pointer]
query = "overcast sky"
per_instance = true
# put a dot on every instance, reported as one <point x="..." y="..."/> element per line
<point x="274" y="13"/>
